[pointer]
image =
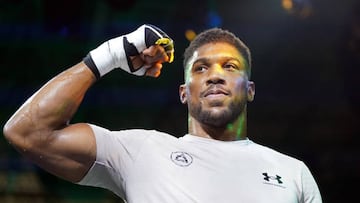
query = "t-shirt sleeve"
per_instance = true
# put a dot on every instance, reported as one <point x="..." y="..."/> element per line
<point x="311" y="193"/>
<point x="116" y="152"/>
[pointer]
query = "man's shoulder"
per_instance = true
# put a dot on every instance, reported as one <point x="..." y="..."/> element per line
<point x="143" y="132"/>
<point x="132" y="131"/>
<point x="129" y="135"/>
<point x="277" y="155"/>
<point x="142" y="135"/>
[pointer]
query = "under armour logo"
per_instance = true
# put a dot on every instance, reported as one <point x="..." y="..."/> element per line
<point x="268" y="178"/>
<point x="181" y="158"/>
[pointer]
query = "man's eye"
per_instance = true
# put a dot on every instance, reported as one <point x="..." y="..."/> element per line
<point x="199" y="68"/>
<point x="231" y="66"/>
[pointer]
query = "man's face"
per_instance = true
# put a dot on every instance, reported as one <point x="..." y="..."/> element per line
<point x="216" y="87"/>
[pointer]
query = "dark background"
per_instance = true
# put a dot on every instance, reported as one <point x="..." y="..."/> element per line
<point x="306" y="60"/>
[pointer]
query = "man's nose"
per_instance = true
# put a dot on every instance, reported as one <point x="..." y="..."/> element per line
<point x="216" y="75"/>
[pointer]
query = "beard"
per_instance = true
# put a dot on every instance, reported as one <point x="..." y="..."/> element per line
<point x="217" y="119"/>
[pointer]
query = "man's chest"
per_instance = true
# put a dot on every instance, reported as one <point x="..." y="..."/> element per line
<point x="213" y="176"/>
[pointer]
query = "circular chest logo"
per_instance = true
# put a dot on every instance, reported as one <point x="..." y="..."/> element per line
<point x="181" y="158"/>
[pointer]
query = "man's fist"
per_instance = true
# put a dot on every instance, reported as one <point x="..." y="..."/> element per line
<point x="140" y="52"/>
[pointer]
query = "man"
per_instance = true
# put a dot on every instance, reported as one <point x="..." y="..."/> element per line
<point x="214" y="162"/>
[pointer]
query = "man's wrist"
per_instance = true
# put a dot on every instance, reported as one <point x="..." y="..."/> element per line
<point x="91" y="65"/>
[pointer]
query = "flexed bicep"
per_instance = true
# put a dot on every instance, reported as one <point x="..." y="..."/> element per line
<point x="67" y="153"/>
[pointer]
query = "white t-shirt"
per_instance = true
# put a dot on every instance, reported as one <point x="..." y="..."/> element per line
<point x="151" y="166"/>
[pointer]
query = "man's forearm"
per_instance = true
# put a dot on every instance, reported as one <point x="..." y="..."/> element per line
<point x="51" y="107"/>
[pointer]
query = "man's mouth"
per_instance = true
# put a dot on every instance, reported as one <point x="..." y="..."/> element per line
<point x="215" y="92"/>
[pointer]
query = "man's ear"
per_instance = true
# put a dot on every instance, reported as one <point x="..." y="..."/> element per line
<point x="182" y="93"/>
<point x="250" y="91"/>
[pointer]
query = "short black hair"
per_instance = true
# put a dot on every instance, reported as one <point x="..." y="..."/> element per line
<point x="214" y="35"/>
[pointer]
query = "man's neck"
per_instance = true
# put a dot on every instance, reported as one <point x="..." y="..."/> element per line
<point x="231" y="132"/>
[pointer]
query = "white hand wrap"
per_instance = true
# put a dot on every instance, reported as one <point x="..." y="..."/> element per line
<point x="116" y="52"/>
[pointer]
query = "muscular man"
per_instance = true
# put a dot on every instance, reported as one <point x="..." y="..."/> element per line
<point x="214" y="162"/>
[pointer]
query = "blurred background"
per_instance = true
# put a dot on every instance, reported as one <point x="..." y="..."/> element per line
<point x="306" y="61"/>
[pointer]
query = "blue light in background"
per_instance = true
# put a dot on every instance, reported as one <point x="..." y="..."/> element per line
<point x="213" y="19"/>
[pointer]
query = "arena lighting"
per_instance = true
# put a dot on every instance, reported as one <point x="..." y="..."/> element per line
<point x="212" y="20"/>
<point x="298" y="8"/>
<point x="190" y="34"/>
